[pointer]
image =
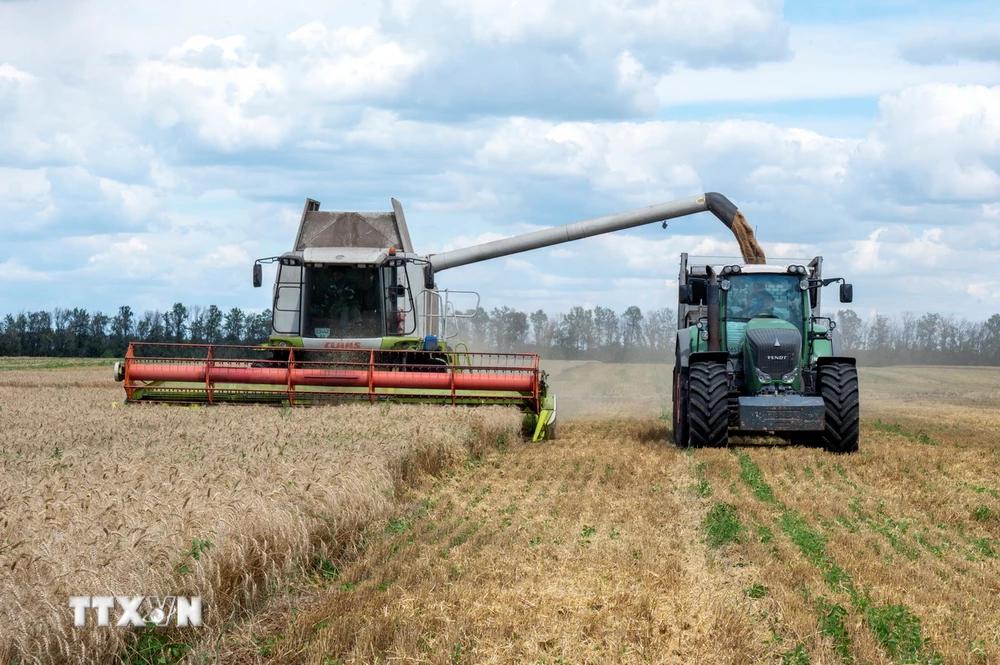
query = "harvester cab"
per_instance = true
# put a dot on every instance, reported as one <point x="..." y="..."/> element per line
<point x="353" y="281"/>
<point x="755" y="354"/>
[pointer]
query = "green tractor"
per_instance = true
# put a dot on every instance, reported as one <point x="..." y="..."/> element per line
<point x="754" y="356"/>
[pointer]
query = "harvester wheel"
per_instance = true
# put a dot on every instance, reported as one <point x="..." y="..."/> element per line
<point x="680" y="401"/>
<point x="838" y="385"/>
<point x="708" y="405"/>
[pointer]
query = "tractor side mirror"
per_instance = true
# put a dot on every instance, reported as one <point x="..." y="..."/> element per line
<point x="258" y="275"/>
<point x="684" y="294"/>
<point x="846" y="292"/>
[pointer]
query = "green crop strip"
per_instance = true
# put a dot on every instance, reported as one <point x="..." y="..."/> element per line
<point x="702" y="489"/>
<point x="895" y="627"/>
<point x="919" y="436"/>
<point x="722" y="525"/>
<point x="891" y="529"/>
<point x="831" y="622"/>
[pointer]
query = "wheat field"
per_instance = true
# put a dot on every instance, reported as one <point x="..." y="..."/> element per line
<point x="430" y="535"/>
<point x="98" y="498"/>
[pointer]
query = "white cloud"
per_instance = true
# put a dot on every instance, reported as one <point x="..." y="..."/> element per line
<point x="987" y="291"/>
<point x="136" y="201"/>
<point x="657" y="160"/>
<point x="129" y="258"/>
<point x="866" y="256"/>
<point x="24" y="184"/>
<point x="218" y="86"/>
<point x="950" y="46"/>
<point x="937" y="141"/>
<point x="12" y="73"/>
<point x="227" y="256"/>
<point x="355" y="62"/>
<point x="663" y="31"/>
<point x="15" y="271"/>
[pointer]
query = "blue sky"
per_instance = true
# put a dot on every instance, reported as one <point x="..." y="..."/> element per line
<point x="151" y="151"/>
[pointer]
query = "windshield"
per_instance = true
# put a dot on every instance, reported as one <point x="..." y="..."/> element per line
<point x="775" y="296"/>
<point x="345" y="302"/>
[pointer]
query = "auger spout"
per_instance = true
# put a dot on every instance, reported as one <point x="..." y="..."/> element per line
<point x="724" y="209"/>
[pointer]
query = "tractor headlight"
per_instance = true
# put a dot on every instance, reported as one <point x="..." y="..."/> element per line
<point x="791" y="376"/>
<point x="763" y="377"/>
<point x="704" y="335"/>
<point x="804" y="284"/>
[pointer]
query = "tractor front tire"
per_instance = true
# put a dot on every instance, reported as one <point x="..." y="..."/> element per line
<point x="708" y="405"/>
<point x="680" y="402"/>
<point x="838" y="385"/>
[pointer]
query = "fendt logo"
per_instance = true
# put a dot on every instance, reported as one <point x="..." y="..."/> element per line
<point x="138" y="610"/>
<point x="777" y="357"/>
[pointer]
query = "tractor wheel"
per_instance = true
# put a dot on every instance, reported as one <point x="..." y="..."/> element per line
<point x="838" y="385"/>
<point x="708" y="405"/>
<point x="680" y="407"/>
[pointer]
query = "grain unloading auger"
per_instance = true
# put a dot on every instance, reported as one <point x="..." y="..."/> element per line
<point x="356" y="314"/>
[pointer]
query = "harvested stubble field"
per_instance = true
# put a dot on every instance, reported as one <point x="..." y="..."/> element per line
<point x="606" y="545"/>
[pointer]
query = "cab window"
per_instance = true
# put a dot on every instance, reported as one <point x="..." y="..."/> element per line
<point x="344" y="302"/>
<point x="764" y="296"/>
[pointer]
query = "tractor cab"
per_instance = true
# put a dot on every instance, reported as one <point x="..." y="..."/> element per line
<point x="763" y="316"/>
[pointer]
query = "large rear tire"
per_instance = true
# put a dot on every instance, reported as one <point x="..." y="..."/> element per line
<point x="838" y="385"/>
<point x="708" y="405"/>
<point x="680" y="396"/>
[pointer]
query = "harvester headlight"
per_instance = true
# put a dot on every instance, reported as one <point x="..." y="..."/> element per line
<point x="791" y="376"/>
<point x="763" y="377"/>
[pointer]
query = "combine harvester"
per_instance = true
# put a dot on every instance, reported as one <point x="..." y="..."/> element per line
<point x="357" y="315"/>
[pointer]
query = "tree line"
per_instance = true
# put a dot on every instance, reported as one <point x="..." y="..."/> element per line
<point x="599" y="333"/>
<point x="78" y="333"/>
<point x="912" y="339"/>
<point x="594" y="334"/>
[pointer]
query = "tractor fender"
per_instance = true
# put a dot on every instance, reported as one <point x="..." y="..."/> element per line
<point x="683" y="357"/>
<point x="829" y="360"/>
<point x="709" y="356"/>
